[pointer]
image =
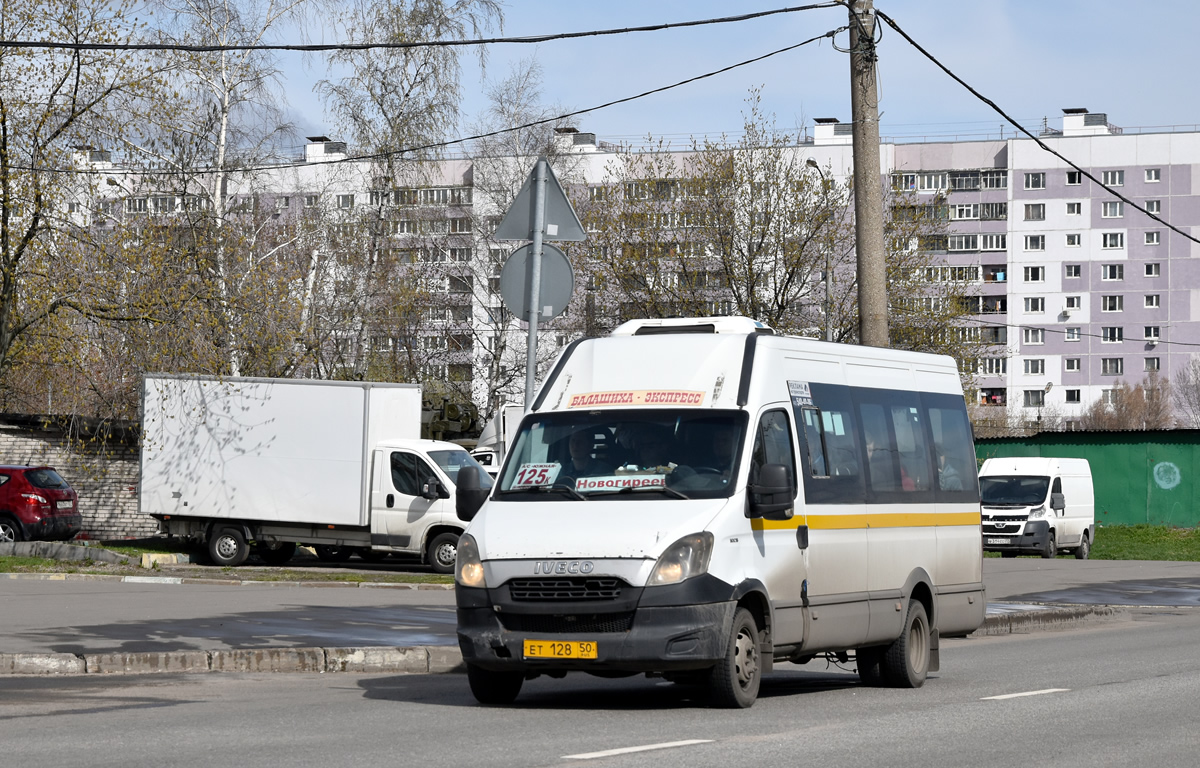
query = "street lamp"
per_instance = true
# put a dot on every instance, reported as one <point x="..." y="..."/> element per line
<point x="828" y="272"/>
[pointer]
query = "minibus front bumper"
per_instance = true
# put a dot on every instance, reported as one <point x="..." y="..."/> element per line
<point x="643" y="638"/>
<point x="1032" y="538"/>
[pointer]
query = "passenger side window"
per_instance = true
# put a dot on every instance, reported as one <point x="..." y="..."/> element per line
<point x="772" y="444"/>
<point x="814" y="440"/>
<point x="834" y="441"/>
<point x="409" y="473"/>
<point x="957" y="469"/>
<point x="895" y="440"/>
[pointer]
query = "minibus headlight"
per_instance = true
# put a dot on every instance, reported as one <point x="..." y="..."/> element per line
<point x="682" y="560"/>
<point x="1037" y="512"/>
<point x="468" y="568"/>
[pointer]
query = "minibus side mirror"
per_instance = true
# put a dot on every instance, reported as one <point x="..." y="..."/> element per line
<point x="1057" y="502"/>
<point x="773" y="496"/>
<point x="468" y="495"/>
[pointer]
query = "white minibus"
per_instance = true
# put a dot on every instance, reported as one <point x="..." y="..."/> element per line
<point x="700" y="499"/>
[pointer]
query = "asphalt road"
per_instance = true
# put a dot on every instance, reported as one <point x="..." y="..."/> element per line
<point x="1110" y="695"/>
<point x="106" y="616"/>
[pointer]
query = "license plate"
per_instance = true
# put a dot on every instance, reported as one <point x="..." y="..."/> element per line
<point x="997" y="541"/>
<point x="63" y="504"/>
<point x="559" y="649"/>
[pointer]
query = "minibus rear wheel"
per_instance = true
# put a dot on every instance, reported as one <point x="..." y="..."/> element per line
<point x="734" y="681"/>
<point x="906" y="662"/>
<point x="494" y="687"/>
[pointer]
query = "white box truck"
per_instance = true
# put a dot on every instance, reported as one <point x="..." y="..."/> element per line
<point x="497" y="435"/>
<point x="234" y="463"/>
<point x="1037" y="505"/>
<point x="700" y="499"/>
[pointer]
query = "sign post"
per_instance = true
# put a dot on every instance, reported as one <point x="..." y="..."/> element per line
<point x="540" y="212"/>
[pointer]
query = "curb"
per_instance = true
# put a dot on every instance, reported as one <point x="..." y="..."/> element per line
<point x="1049" y="619"/>
<point x="418" y="660"/>
<point x="221" y="582"/>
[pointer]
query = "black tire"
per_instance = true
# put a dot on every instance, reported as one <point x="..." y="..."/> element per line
<point x="373" y="555"/>
<point x="494" y="688"/>
<point x="332" y="554"/>
<point x="1051" y="548"/>
<point x="441" y="552"/>
<point x="870" y="665"/>
<point x="276" y="554"/>
<point x="227" y="547"/>
<point x="733" y="683"/>
<point x="10" y="532"/>
<point x="1008" y="554"/>
<point x="906" y="660"/>
<point x="1084" y="550"/>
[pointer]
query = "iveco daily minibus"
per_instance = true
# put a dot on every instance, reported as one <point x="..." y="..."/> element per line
<point x="700" y="499"/>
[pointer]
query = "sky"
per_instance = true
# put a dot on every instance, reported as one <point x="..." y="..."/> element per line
<point x="1132" y="59"/>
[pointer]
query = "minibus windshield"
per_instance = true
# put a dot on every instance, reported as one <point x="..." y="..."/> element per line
<point x="647" y="453"/>
<point x="1013" y="490"/>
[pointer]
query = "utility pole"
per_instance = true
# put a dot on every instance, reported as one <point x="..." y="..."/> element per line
<point x="868" y="191"/>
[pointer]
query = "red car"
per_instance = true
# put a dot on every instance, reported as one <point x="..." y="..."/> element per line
<point x="37" y="504"/>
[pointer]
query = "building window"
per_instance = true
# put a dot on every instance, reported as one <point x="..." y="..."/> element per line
<point x="1035" y="274"/>
<point x="1152" y="332"/>
<point x="1151" y="364"/>
<point x="1035" y="242"/>
<point x="1152" y="238"/>
<point x="1074" y="178"/>
<point x="993" y="179"/>
<point x="1074" y="209"/>
<point x="1112" y="366"/>
<point x="1073" y="240"/>
<point x="1072" y="334"/>
<point x="1035" y="304"/>
<point x="1112" y="210"/>
<point x="931" y="182"/>
<point x="1035" y="366"/>
<point x="1073" y="303"/>
<point x="1034" y="335"/>
<point x="1072" y="364"/>
<point x="1112" y="240"/>
<point x="460" y="254"/>
<point x="963" y="243"/>
<point x="1035" y="212"/>
<point x="1108" y="396"/>
<point x="1112" y="303"/>
<point x="345" y="201"/>
<point x="311" y="201"/>
<point x="993" y="211"/>
<point x="1153" y="206"/>
<point x="993" y="242"/>
<point x="1152" y="269"/>
<point x="964" y="211"/>
<point x="1112" y="334"/>
<point x="1114" y="178"/>
<point x="1112" y="271"/>
<point x="1152" y="301"/>
<point x="1034" y="398"/>
<point x="1074" y="270"/>
<point x="1153" y="175"/>
<point x="460" y="225"/>
<point x="1073" y="396"/>
<point x="1035" y="181"/>
<point x="993" y="366"/>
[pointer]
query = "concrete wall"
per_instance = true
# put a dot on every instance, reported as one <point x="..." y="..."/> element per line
<point x="1138" y="477"/>
<point x="104" y="473"/>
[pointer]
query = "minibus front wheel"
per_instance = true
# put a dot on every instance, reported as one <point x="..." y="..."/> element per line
<point x="734" y="681"/>
<point x="494" y="687"/>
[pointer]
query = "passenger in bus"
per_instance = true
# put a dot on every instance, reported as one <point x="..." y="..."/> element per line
<point x="948" y="477"/>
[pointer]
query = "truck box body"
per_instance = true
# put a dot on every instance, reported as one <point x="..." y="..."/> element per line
<point x="267" y="449"/>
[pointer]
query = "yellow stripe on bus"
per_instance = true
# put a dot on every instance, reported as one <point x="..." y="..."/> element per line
<point x="870" y="520"/>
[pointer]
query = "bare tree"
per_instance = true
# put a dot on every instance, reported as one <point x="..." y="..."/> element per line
<point x="1186" y="388"/>
<point x="1142" y="406"/>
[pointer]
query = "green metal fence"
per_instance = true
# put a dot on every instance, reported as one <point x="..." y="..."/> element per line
<point x="1139" y="477"/>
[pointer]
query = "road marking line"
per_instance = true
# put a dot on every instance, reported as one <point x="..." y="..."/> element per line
<point x="628" y="750"/>
<point x="1026" y="693"/>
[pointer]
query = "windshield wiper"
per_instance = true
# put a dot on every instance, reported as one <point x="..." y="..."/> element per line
<point x="665" y="489"/>
<point x="559" y="487"/>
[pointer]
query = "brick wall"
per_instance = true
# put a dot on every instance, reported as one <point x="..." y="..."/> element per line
<point x="103" y="472"/>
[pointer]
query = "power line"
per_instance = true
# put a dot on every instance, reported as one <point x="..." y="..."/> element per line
<point x="892" y="23"/>
<point x="451" y="142"/>
<point x="429" y="44"/>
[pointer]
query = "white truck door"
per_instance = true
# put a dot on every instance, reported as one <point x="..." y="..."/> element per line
<point x="1066" y="520"/>
<point x="399" y="514"/>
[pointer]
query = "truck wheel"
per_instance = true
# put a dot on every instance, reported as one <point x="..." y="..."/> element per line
<point x="9" y="531"/>
<point x="1051" y="549"/>
<point x="906" y="660"/>
<point x="870" y="665"/>
<point x="275" y="554"/>
<point x="493" y="688"/>
<point x="227" y="546"/>
<point x="734" y="681"/>
<point x="331" y="554"/>
<point x="1084" y="549"/>
<point x="441" y="552"/>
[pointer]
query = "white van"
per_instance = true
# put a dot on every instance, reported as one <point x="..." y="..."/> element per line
<point x="1037" y="505"/>
<point x="698" y="499"/>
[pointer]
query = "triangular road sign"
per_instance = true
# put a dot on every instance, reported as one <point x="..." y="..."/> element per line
<point x="561" y="223"/>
